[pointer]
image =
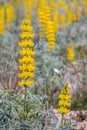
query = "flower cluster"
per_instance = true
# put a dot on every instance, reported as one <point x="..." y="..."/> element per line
<point x="1" y="20"/>
<point x="69" y="17"/>
<point x="26" y="67"/>
<point x="50" y="36"/>
<point x="42" y="5"/>
<point x="41" y="25"/>
<point x="29" y="9"/>
<point x="56" y="20"/>
<point x="70" y="52"/>
<point x="64" y="102"/>
<point x="63" y="21"/>
<point x="47" y="16"/>
<point x="52" y="4"/>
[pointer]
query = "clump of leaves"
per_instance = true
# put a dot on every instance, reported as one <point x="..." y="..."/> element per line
<point x="12" y="112"/>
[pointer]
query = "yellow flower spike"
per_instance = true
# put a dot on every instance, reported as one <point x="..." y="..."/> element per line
<point x="28" y="7"/>
<point x="26" y="22"/>
<point x="56" y="21"/>
<point x="41" y="16"/>
<point x="74" y="17"/>
<point x="52" y="4"/>
<point x="9" y="14"/>
<point x="26" y="62"/>
<point x="69" y="17"/>
<point x="50" y="31"/>
<point x="2" y="26"/>
<point x="47" y="14"/>
<point x="42" y="5"/>
<point x="70" y="53"/>
<point x="63" y="21"/>
<point x="64" y="102"/>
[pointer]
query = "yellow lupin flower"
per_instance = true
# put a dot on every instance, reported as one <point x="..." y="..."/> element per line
<point x="26" y="60"/>
<point x="70" y="52"/>
<point x="41" y="16"/>
<point x="26" y="35"/>
<point x="64" y="102"/>
<point x="56" y="20"/>
<point x="42" y="5"/>
<point x="9" y="14"/>
<point x="28" y="7"/>
<point x="50" y="31"/>
<point x="1" y="20"/>
<point x="29" y="83"/>
<point x="26" y="52"/>
<point x="67" y="97"/>
<point x="23" y="67"/>
<point x="63" y="110"/>
<point x="74" y="17"/>
<point x="21" y="83"/>
<point x="63" y="21"/>
<point x="26" y="74"/>
<point x="52" y="4"/>
<point x="47" y="15"/>
<point x="69" y="17"/>
<point x="26" y="43"/>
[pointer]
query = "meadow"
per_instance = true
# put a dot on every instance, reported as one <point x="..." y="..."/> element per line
<point x="43" y="64"/>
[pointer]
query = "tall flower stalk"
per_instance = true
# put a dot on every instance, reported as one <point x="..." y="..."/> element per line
<point x="50" y="31"/>
<point x="42" y="29"/>
<point x="64" y="102"/>
<point x="71" y="54"/>
<point x="26" y="60"/>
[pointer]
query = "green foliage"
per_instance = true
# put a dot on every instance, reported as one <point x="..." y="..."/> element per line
<point x="50" y="73"/>
<point x="12" y="112"/>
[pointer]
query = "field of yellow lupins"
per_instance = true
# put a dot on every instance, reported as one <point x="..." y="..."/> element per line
<point x="43" y="64"/>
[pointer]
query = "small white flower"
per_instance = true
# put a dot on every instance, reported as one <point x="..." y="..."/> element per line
<point x="56" y="71"/>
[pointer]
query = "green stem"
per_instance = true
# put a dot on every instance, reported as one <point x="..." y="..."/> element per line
<point x="25" y="103"/>
<point x="62" y="120"/>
